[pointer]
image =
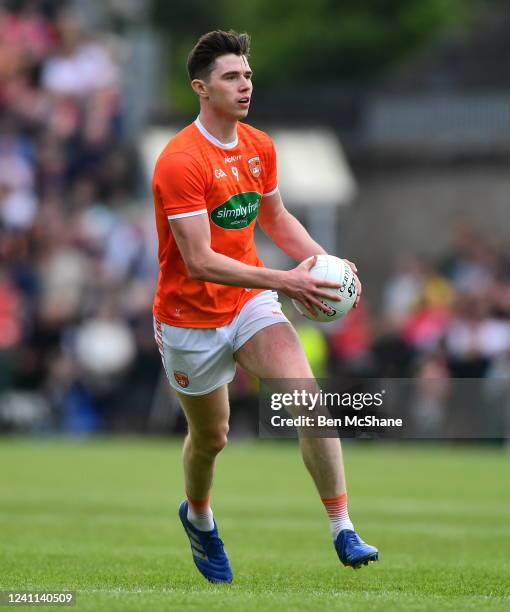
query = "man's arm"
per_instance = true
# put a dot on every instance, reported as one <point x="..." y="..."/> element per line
<point x="289" y="234"/>
<point x="285" y="230"/>
<point x="193" y="238"/>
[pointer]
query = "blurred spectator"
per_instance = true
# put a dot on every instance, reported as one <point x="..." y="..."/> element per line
<point x="475" y="337"/>
<point x="315" y="346"/>
<point x="432" y="392"/>
<point x="462" y="304"/>
<point x="473" y="262"/>
<point x="78" y="65"/>
<point x="77" y="258"/>
<point x="10" y="320"/>
<point x="350" y="342"/>
<point x="402" y="290"/>
<point x="76" y="255"/>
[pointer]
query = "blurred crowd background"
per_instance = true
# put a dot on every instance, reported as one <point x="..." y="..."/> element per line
<point x="77" y="240"/>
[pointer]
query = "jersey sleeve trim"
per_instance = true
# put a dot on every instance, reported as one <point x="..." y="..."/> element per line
<point x="270" y="193"/>
<point x="203" y="211"/>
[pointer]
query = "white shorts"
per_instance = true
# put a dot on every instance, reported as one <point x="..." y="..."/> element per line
<point x="197" y="360"/>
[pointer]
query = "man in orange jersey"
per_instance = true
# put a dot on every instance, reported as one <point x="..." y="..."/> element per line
<point x="216" y="304"/>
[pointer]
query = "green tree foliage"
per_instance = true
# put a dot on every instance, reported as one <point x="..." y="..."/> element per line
<point x="305" y="42"/>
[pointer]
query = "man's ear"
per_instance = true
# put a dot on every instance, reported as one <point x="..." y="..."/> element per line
<point x="200" y="88"/>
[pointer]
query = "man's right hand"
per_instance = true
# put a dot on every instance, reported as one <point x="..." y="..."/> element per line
<point x="300" y="285"/>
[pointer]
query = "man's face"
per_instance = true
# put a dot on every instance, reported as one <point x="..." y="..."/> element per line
<point x="229" y="86"/>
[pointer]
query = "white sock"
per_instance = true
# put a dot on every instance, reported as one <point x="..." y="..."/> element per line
<point x="201" y="520"/>
<point x="338" y="514"/>
<point x="339" y="525"/>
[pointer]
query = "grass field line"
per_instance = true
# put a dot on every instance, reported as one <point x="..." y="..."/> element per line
<point x="276" y="523"/>
<point x="391" y="506"/>
<point x="236" y="590"/>
<point x="395" y="506"/>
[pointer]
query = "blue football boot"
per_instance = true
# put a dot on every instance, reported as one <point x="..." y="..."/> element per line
<point x="207" y="550"/>
<point x="352" y="551"/>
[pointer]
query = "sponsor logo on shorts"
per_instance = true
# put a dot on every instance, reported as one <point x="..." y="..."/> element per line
<point x="254" y="166"/>
<point x="181" y="378"/>
<point x="237" y="212"/>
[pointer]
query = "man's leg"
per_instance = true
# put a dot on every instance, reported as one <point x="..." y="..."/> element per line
<point x="276" y="352"/>
<point x="207" y="417"/>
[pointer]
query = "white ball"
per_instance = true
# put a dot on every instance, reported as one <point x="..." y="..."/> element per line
<point x="331" y="268"/>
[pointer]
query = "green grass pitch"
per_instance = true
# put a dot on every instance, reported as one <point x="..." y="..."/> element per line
<point x="100" y="517"/>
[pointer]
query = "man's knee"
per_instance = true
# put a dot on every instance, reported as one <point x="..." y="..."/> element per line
<point x="210" y="442"/>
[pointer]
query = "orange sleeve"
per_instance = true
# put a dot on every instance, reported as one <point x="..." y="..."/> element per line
<point x="180" y="184"/>
<point x="271" y="182"/>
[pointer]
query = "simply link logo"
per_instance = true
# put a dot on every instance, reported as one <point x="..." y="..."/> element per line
<point x="237" y="212"/>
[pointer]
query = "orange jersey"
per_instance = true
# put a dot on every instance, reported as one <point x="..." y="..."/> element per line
<point x="197" y="174"/>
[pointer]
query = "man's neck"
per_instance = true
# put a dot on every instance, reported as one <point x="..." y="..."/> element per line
<point x="225" y="130"/>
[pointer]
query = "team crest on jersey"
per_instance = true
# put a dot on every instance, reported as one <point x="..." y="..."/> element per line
<point x="181" y="378"/>
<point x="254" y="166"/>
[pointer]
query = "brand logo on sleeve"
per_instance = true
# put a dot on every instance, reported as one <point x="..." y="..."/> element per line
<point x="238" y="211"/>
<point x="255" y="166"/>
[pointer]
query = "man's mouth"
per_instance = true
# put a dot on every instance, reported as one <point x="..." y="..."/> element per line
<point x="244" y="100"/>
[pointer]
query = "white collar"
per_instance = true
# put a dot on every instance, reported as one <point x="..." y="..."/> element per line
<point x="213" y="139"/>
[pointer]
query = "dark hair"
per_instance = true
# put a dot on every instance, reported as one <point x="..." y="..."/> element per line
<point x="212" y="45"/>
